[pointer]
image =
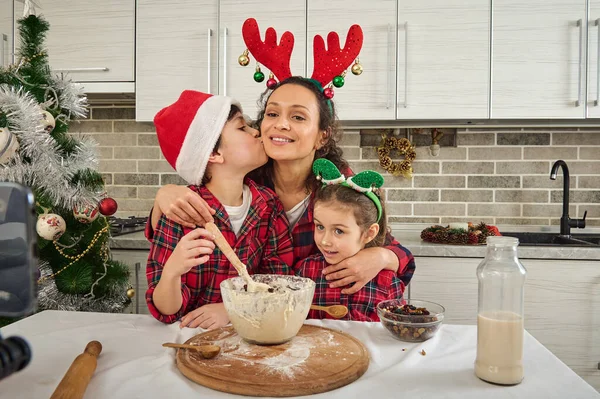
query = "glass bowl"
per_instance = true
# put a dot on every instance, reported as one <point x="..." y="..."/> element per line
<point x="268" y="318"/>
<point x="411" y="327"/>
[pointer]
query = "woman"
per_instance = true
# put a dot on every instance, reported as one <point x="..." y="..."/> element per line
<point x="298" y="125"/>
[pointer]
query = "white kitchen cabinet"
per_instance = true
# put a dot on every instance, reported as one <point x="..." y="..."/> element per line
<point x="371" y="95"/>
<point x="177" y="49"/>
<point x="562" y="303"/>
<point x="237" y="81"/>
<point x="593" y="60"/>
<point x="443" y="59"/>
<point x="91" y="40"/>
<point x="538" y="59"/>
<point x="6" y="32"/>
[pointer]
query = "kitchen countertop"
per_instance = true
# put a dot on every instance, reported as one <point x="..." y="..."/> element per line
<point x="409" y="237"/>
<point x="134" y="364"/>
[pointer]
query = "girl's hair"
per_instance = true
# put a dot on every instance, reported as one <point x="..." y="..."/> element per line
<point x="327" y="122"/>
<point x="232" y="113"/>
<point x="363" y="208"/>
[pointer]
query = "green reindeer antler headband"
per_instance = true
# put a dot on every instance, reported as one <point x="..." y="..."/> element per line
<point x="328" y="174"/>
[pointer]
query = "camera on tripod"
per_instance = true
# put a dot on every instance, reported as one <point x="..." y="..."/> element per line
<point x="18" y="269"/>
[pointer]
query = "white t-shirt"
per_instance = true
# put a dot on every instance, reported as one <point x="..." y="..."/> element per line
<point x="237" y="214"/>
<point x="296" y="212"/>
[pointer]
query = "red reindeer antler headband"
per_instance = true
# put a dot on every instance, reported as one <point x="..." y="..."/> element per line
<point x="329" y="64"/>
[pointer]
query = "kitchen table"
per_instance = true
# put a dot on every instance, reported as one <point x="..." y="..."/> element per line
<point x="133" y="364"/>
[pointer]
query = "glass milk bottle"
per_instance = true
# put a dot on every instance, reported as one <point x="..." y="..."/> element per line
<point x="500" y="327"/>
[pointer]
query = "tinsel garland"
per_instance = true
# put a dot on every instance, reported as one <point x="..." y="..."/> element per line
<point x="49" y="297"/>
<point x="51" y="173"/>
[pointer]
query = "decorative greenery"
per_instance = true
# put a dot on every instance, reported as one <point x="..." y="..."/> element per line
<point x="94" y="275"/>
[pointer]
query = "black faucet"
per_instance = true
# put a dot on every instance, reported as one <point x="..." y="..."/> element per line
<point x="565" y="221"/>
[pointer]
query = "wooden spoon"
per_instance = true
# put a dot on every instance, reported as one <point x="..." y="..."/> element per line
<point x="207" y="351"/>
<point x="337" y="311"/>
<point x="222" y="243"/>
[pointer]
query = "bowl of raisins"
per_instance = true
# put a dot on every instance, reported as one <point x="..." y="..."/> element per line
<point x="411" y="320"/>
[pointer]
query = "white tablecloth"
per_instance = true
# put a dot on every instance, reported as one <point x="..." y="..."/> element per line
<point x="133" y="364"/>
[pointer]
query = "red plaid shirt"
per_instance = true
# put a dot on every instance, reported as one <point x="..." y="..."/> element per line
<point x="362" y="304"/>
<point x="264" y="245"/>
<point x="304" y="242"/>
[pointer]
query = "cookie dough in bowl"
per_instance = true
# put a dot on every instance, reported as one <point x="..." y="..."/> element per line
<point x="268" y="317"/>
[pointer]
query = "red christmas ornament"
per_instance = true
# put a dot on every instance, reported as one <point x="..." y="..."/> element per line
<point x="107" y="206"/>
<point x="271" y="83"/>
<point x="328" y="93"/>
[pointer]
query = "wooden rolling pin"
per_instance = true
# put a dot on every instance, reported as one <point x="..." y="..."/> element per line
<point x="78" y="376"/>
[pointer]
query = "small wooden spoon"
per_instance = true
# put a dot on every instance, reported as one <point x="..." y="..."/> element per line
<point x="207" y="351"/>
<point x="229" y="253"/>
<point x="337" y="311"/>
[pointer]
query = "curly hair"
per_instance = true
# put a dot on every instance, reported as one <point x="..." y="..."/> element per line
<point x="328" y="122"/>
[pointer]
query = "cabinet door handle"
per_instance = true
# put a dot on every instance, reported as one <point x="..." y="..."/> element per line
<point x="405" y="64"/>
<point x="390" y="70"/>
<point x="224" y="61"/>
<point x="209" y="34"/>
<point x="597" y="23"/>
<point x="2" y="53"/>
<point x="99" y="69"/>
<point x="580" y="66"/>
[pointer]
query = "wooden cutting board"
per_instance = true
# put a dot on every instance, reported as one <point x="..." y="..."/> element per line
<point x="316" y="360"/>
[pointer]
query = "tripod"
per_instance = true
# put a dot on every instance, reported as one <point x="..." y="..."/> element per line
<point x="15" y="355"/>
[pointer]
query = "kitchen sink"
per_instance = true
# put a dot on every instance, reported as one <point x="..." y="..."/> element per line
<point x="554" y="239"/>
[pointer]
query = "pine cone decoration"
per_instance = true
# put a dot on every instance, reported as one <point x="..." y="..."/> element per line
<point x="462" y="238"/>
<point x="443" y="237"/>
<point x="403" y="144"/>
<point x="383" y="152"/>
<point x="394" y="168"/>
<point x="385" y="162"/>
<point x="404" y="166"/>
<point x="446" y="235"/>
<point x="410" y="155"/>
<point x="390" y="142"/>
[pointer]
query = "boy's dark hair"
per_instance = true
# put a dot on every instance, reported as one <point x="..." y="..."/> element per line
<point x="232" y="113"/>
<point x="327" y="122"/>
<point x="365" y="211"/>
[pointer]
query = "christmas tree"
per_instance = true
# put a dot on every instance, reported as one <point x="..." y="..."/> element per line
<point x="76" y="270"/>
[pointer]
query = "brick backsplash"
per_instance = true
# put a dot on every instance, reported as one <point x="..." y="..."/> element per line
<point x="494" y="175"/>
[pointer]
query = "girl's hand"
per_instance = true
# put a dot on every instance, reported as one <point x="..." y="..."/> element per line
<point x="192" y="250"/>
<point x="358" y="269"/>
<point x="183" y="206"/>
<point x="209" y="317"/>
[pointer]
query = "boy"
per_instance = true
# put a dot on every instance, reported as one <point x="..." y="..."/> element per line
<point x="206" y="139"/>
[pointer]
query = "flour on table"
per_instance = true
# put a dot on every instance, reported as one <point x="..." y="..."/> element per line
<point x="287" y="363"/>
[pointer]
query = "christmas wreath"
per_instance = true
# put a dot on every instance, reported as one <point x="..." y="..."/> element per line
<point x="404" y="147"/>
<point x="473" y="235"/>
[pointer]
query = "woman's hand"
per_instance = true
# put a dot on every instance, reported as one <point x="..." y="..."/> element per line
<point x="209" y="317"/>
<point x="359" y="269"/>
<point x="182" y="205"/>
<point x="192" y="250"/>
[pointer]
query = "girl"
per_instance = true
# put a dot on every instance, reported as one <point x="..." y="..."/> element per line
<point x="348" y="217"/>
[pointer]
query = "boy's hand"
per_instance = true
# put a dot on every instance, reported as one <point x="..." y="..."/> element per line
<point x="192" y="250"/>
<point x="209" y="317"/>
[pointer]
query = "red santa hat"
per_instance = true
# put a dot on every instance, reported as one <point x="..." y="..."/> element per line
<point x="188" y="130"/>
